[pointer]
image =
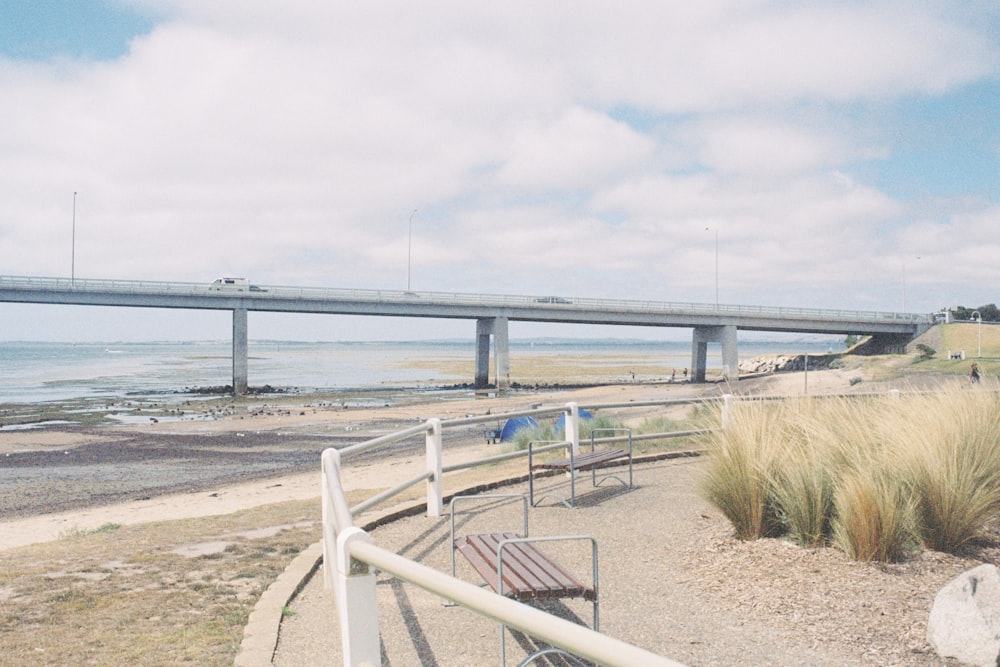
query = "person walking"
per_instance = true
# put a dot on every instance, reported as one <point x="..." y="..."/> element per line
<point x="974" y="374"/>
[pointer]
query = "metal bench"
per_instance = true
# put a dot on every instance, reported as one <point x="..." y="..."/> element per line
<point x="515" y="566"/>
<point x="592" y="460"/>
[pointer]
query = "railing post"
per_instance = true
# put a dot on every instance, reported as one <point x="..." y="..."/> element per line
<point x="330" y="466"/>
<point x="728" y="404"/>
<point x="573" y="427"/>
<point x="434" y="483"/>
<point x="357" y="608"/>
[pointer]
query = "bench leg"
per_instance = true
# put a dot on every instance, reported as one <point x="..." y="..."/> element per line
<point x="531" y="485"/>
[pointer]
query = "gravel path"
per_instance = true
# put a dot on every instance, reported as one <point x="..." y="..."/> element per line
<point x="673" y="581"/>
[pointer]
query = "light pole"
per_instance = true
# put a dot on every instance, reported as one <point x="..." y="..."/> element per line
<point x="409" y="248"/>
<point x="904" y="284"/>
<point x="979" y="332"/>
<point x="716" y="264"/>
<point x="72" y="260"/>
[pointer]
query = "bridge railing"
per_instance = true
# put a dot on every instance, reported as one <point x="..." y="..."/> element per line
<point x="521" y="302"/>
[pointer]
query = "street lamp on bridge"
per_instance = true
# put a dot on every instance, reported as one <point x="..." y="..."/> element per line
<point x="904" y="283"/>
<point x="979" y="332"/>
<point x="72" y="257"/>
<point x="716" y="264"/>
<point x="409" y="248"/>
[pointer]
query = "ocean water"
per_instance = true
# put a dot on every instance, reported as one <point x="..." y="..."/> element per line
<point x="35" y="372"/>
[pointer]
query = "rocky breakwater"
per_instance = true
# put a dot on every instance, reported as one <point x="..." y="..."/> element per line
<point x="784" y="363"/>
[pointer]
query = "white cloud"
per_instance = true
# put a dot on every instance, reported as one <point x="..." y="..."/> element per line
<point x="578" y="151"/>
<point x="753" y="146"/>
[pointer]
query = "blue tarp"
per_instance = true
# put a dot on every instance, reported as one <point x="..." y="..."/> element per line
<point x="561" y="422"/>
<point x="515" y="424"/>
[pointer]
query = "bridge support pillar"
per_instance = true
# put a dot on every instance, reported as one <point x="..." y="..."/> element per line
<point x="240" y="351"/>
<point x="724" y="334"/>
<point x="497" y="328"/>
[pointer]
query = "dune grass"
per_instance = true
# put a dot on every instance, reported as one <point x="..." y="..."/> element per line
<point x="952" y="466"/>
<point x="874" y="476"/>
<point x="874" y="516"/>
<point x="741" y="464"/>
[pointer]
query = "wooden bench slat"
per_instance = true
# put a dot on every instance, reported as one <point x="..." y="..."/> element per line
<point x="539" y="572"/>
<point x="583" y="461"/>
<point x="525" y="569"/>
<point x="528" y="572"/>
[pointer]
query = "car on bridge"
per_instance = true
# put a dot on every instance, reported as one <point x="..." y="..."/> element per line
<point x="230" y="285"/>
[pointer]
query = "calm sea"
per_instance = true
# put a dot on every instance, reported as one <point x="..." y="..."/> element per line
<point x="44" y="372"/>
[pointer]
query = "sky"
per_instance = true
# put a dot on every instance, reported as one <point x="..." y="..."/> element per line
<point x="778" y="153"/>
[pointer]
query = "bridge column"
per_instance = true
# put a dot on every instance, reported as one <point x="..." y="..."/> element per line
<point x="240" y="351"/>
<point x="484" y="328"/>
<point x="497" y="328"/>
<point x="501" y="352"/>
<point x="724" y="334"/>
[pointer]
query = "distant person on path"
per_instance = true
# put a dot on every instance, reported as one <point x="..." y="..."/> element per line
<point x="974" y="374"/>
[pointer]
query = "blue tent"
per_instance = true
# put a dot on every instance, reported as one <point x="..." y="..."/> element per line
<point x="561" y="422"/>
<point x="515" y="424"/>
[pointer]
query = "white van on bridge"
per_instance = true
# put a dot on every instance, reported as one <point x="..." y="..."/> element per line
<point x="230" y="285"/>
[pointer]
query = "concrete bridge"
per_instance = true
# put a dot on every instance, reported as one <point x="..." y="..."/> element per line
<point x="711" y="323"/>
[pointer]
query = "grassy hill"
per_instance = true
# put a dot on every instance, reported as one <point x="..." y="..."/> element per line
<point x="979" y="343"/>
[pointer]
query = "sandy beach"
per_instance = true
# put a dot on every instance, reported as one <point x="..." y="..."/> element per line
<point x="245" y="469"/>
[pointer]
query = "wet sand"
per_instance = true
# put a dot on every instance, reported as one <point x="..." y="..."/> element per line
<point x="60" y="479"/>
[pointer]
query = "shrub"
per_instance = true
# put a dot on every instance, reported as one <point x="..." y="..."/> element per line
<point x="596" y="423"/>
<point x="542" y="432"/>
<point x="926" y="351"/>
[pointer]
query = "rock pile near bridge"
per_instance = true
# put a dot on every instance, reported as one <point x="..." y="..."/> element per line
<point x="782" y="363"/>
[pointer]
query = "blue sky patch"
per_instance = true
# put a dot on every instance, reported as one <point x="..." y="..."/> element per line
<point x="945" y="146"/>
<point x="41" y="30"/>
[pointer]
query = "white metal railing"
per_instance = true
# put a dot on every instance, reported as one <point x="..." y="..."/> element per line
<point x="623" y="306"/>
<point x="350" y="555"/>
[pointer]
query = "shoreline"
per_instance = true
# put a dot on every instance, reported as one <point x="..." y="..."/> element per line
<point x="131" y="473"/>
<point x="137" y="473"/>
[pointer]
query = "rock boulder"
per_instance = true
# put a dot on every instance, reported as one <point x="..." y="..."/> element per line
<point x="965" y="619"/>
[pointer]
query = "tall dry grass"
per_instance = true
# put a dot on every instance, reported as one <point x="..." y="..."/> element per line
<point x="875" y="476"/>
<point x="740" y="465"/>
<point x="873" y="520"/>
<point x="950" y="453"/>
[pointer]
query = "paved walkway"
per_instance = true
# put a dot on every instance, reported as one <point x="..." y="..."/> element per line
<point x="648" y="596"/>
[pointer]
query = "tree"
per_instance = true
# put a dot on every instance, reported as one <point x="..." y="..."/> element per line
<point x="989" y="313"/>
